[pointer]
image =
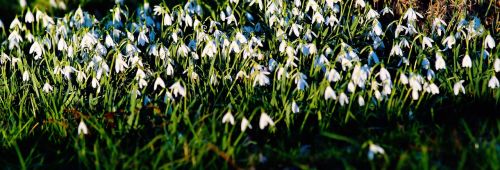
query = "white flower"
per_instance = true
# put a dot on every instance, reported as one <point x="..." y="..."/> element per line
<point x="318" y="18"/>
<point x="496" y="65"/>
<point x="295" y="107"/>
<point x="61" y="45"/>
<point x="15" y="24"/>
<point x="95" y="83"/>
<point x="120" y="65"/>
<point x="396" y="50"/>
<point x="47" y="88"/>
<point x="431" y="88"/>
<point x="458" y="87"/>
<point x="343" y="99"/>
<point x="427" y="42"/>
<point x="26" y="76"/>
<point x="109" y="41"/>
<point x="489" y="42"/>
<point x="373" y="150"/>
<point x="170" y="69"/>
<point x="360" y="3"/>
<point x="403" y="78"/>
<point x="81" y="76"/>
<point x="466" y="61"/>
<point x="372" y="14"/>
<point x="330" y="94"/>
<point x="245" y="124"/>
<point x="142" y="39"/>
<point x="440" y="63"/>
<point x="261" y="78"/>
<point x="361" y="101"/>
<point x="265" y="120"/>
<point x="449" y="41"/>
<point x="28" y="17"/>
<point x="37" y="49"/>
<point x="332" y="75"/>
<point x="295" y="29"/>
<point x="159" y="82"/>
<point x="387" y="10"/>
<point x="228" y="118"/>
<point x="411" y="15"/>
<point x="384" y="74"/>
<point x="82" y="128"/>
<point x="177" y="89"/>
<point x="493" y="83"/>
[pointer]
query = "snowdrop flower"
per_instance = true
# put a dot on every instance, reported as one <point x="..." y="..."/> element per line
<point x="95" y="83"/>
<point x="396" y="50"/>
<point x="384" y="74"/>
<point x="437" y="24"/>
<point x="15" y="24"/>
<point x="82" y="128"/>
<point x="47" y="88"/>
<point x="431" y="88"/>
<point x="22" y="3"/>
<point x="360" y="3"/>
<point x="159" y="82"/>
<point x="387" y="10"/>
<point x="496" y="65"/>
<point x="265" y="121"/>
<point x="411" y="15"/>
<point x="332" y="75"/>
<point x="318" y="18"/>
<point x="14" y="39"/>
<point x="466" y="61"/>
<point x="449" y="41"/>
<point x="374" y="149"/>
<point x="330" y="94"/>
<point x="295" y="29"/>
<point x="26" y="76"/>
<point x="177" y="89"/>
<point x="377" y="27"/>
<point x="261" y="78"/>
<point x="343" y="99"/>
<point x="37" y="49"/>
<point x="372" y="14"/>
<point x="427" y="42"/>
<point x="458" y="87"/>
<point x="489" y="42"/>
<point x="142" y="39"/>
<point x="403" y="79"/>
<point x="120" y="65"/>
<point x="228" y="118"/>
<point x="493" y="83"/>
<point x="81" y="76"/>
<point x="245" y="124"/>
<point x="28" y="17"/>
<point x="295" y="107"/>
<point x="61" y="45"/>
<point x="440" y="63"/>
<point x="109" y="41"/>
<point x="361" y="101"/>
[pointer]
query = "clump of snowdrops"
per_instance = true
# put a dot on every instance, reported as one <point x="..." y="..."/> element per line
<point x="251" y="64"/>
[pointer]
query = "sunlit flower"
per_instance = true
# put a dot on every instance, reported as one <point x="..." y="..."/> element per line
<point x="245" y="124"/>
<point x="159" y="82"/>
<point x="37" y="49"/>
<point x="496" y="65"/>
<point x="361" y="101"/>
<point x="26" y="76"/>
<point x="295" y="107"/>
<point x="265" y="121"/>
<point x="28" y="17"/>
<point x="374" y="149"/>
<point x="228" y="118"/>
<point x="411" y="15"/>
<point x="330" y="94"/>
<point x="261" y="78"/>
<point x="440" y="63"/>
<point x="120" y="65"/>
<point x="177" y="90"/>
<point x="82" y="128"/>
<point x="458" y="87"/>
<point x="426" y="41"/>
<point x="466" y="61"/>
<point x="493" y="83"/>
<point x="489" y="42"/>
<point x="343" y="99"/>
<point x="47" y="88"/>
